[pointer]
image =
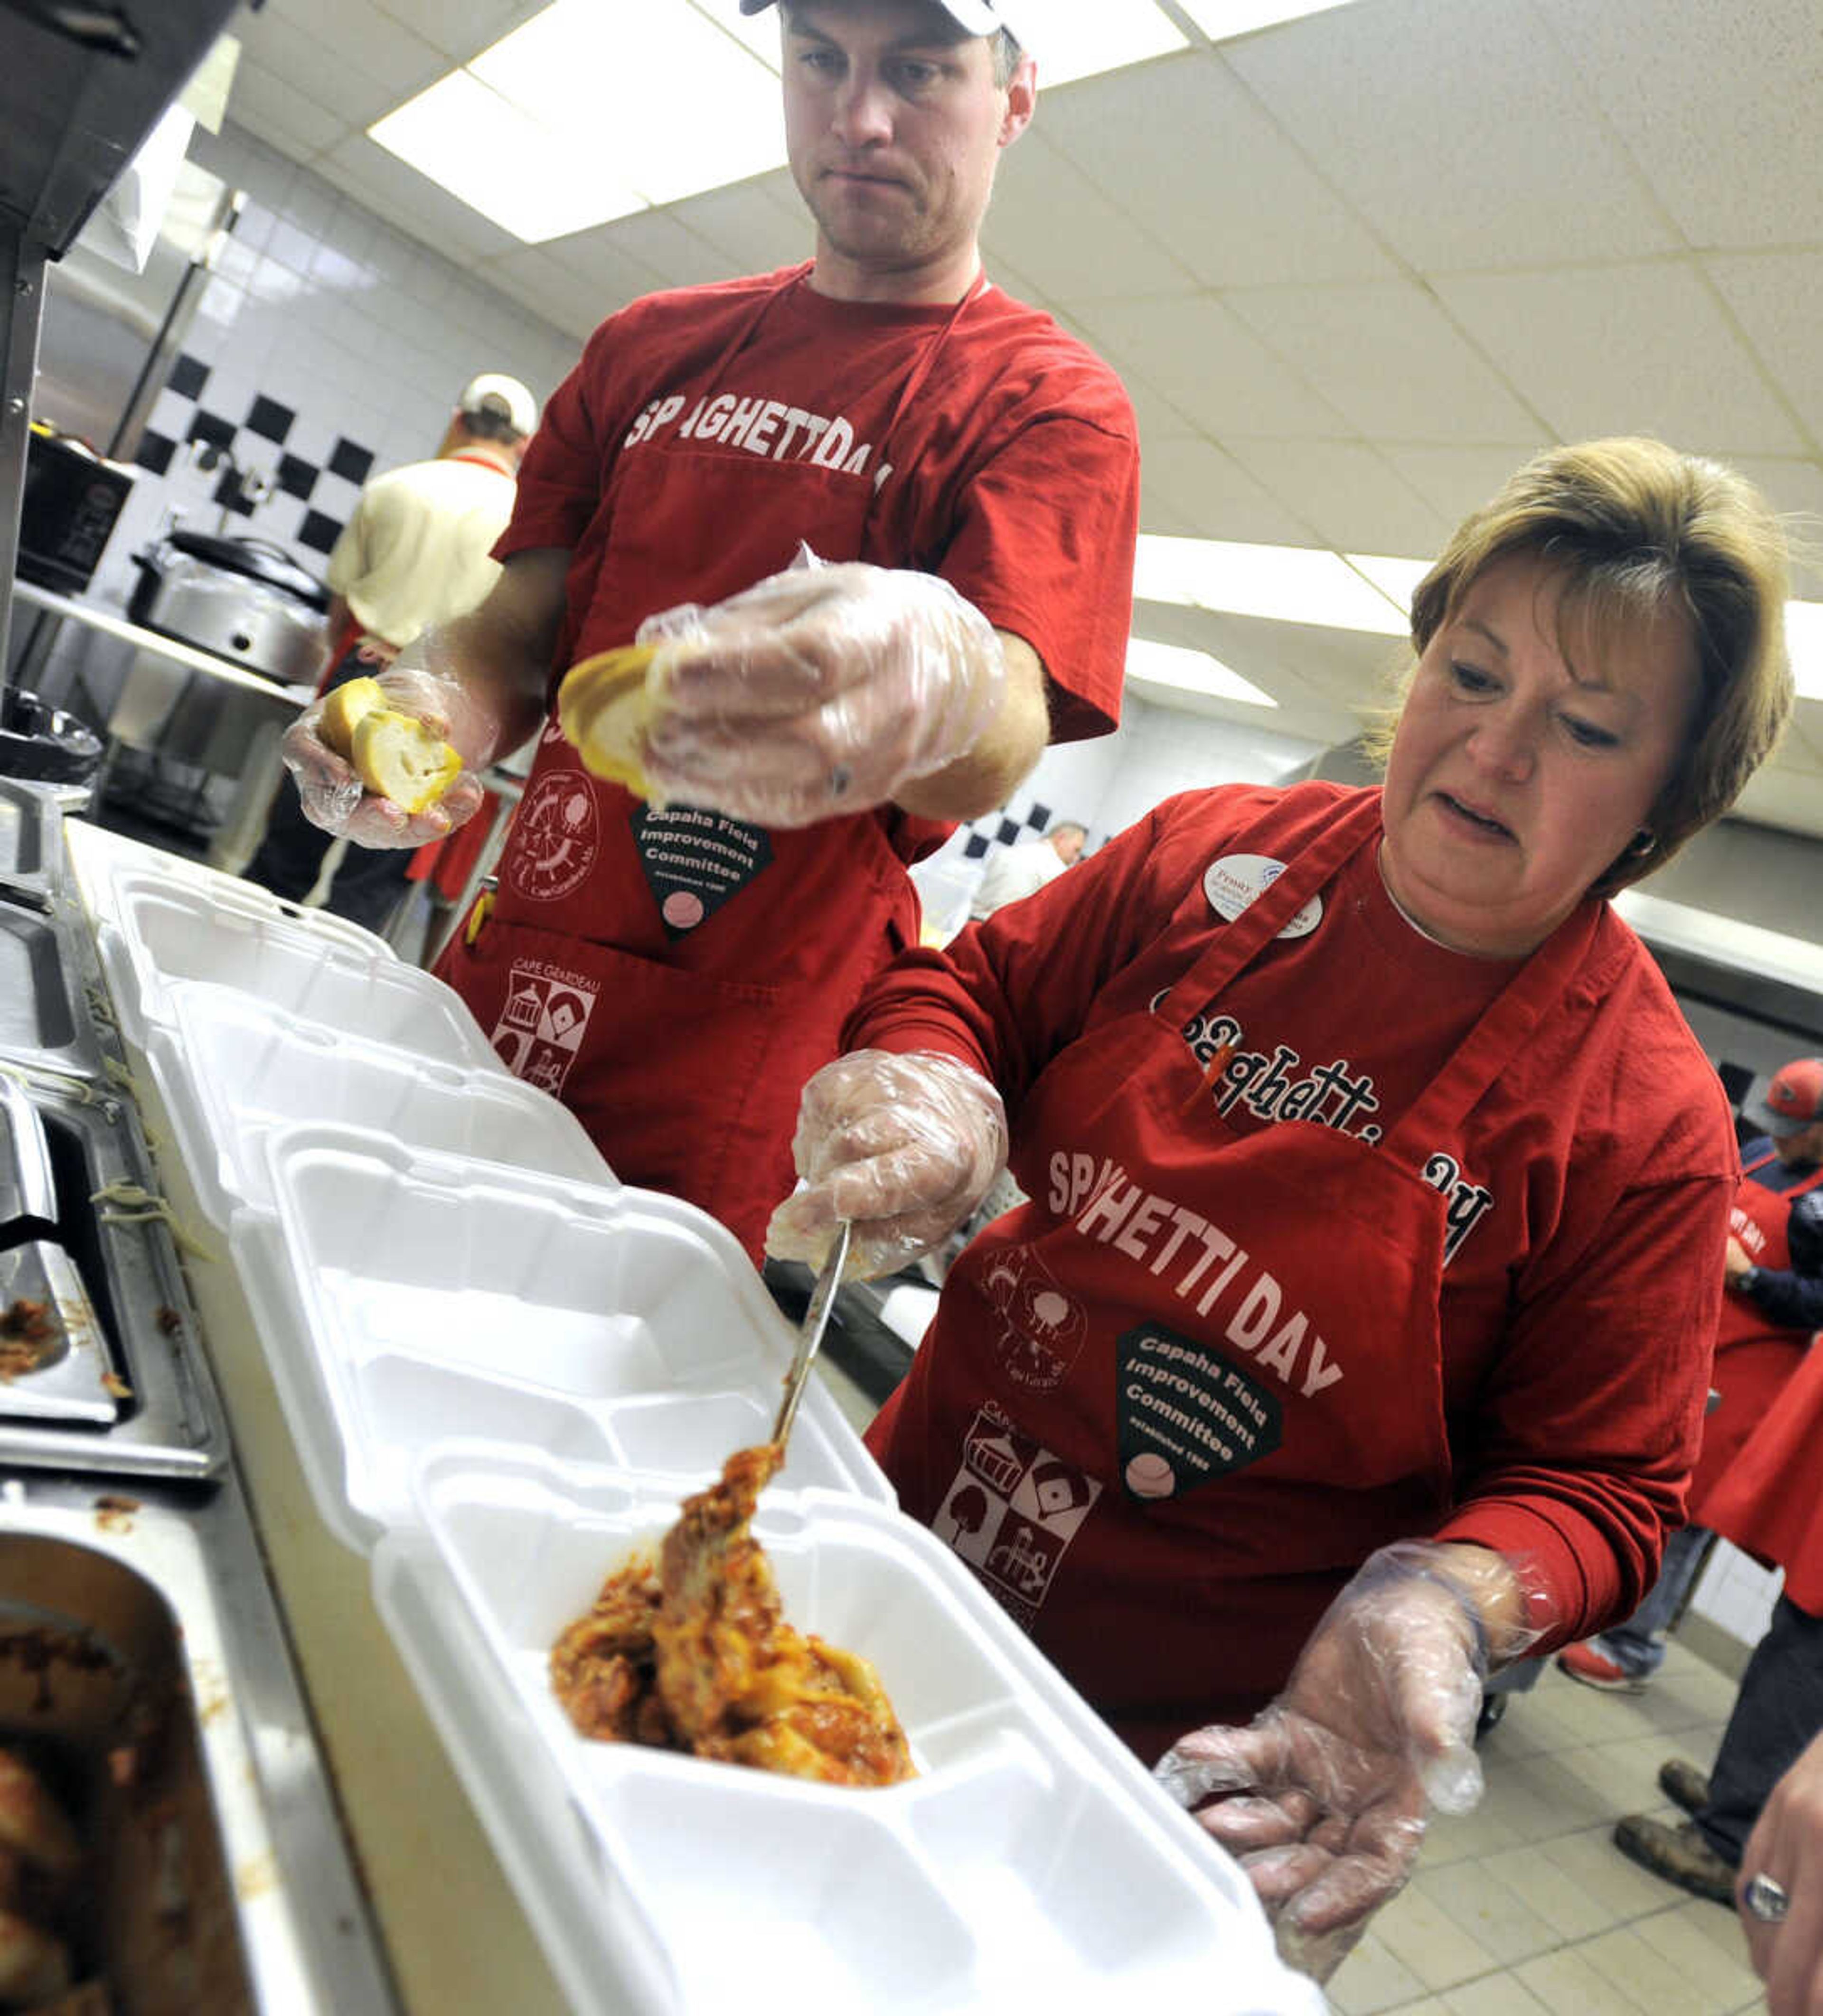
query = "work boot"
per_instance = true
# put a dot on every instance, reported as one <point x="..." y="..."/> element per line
<point x="1593" y="1667"/>
<point x="1679" y="1854"/>
<point x="1683" y="1785"/>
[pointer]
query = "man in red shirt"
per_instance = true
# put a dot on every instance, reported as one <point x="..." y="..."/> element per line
<point x="675" y="970"/>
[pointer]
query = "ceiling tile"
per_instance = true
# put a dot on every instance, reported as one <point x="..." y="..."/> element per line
<point x="411" y="201"/>
<point x="1386" y="356"/>
<point x="1458" y="130"/>
<point x="595" y="259"/>
<point x="1454" y="480"/>
<point x="752" y="228"/>
<point x="1718" y="104"/>
<point x="1638" y="348"/>
<point x="1190" y="487"/>
<point x="1179" y="144"/>
<point x="311" y="46"/>
<point x="1192" y="352"/>
<point x="1347" y="494"/>
<point x="272" y="106"/>
<point x="1794" y="489"/>
<point x="656" y="239"/>
<point x="461" y="28"/>
<point x="1778" y="298"/>
<point x="1056" y="225"/>
<point x="561" y="294"/>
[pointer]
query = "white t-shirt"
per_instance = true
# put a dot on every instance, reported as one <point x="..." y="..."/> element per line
<point x="417" y="550"/>
<point x="1016" y="872"/>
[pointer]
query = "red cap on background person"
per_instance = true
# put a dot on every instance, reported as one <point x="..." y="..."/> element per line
<point x="1792" y="1102"/>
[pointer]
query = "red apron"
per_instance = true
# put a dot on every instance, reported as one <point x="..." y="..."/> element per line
<point x="1754" y="1356"/>
<point x="1164" y="1473"/>
<point x="1770" y="1500"/>
<point x="675" y="976"/>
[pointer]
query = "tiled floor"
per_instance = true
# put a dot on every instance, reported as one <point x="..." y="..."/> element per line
<point x="1525" y="1907"/>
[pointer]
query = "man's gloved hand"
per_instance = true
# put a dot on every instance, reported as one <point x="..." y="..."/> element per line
<point x="1324" y="1797"/>
<point x="902" y="1147"/>
<point x="819" y="690"/>
<point x="332" y="795"/>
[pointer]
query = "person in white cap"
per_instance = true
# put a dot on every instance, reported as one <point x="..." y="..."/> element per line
<point x="417" y="550"/>
<point x="674" y="966"/>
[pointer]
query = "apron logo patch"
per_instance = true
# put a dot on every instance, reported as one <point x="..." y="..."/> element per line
<point x="1232" y="882"/>
<point x="1187" y="1414"/>
<point x="541" y="1023"/>
<point x="1042" y="1329"/>
<point x="1011" y="1510"/>
<point x="694" y="860"/>
<point x="557" y="837"/>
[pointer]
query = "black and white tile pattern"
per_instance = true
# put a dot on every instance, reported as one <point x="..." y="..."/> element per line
<point x="309" y="497"/>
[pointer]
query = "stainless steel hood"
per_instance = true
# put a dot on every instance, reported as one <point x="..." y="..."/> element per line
<point x="84" y="83"/>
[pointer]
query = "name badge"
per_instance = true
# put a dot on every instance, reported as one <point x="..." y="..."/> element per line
<point x="1232" y="881"/>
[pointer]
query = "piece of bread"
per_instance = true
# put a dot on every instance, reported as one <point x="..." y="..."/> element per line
<point x="397" y="757"/>
<point x="603" y="707"/>
<point x="343" y="709"/>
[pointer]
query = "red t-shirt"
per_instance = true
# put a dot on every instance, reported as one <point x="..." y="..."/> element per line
<point x="1588" y="1189"/>
<point x="1014" y="473"/>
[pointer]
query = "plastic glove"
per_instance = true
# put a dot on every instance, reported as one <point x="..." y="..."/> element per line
<point x="1787" y="1844"/>
<point x="903" y="1147"/>
<point x="1323" y="1796"/>
<point x="820" y="690"/>
<point x="332" y="795"/>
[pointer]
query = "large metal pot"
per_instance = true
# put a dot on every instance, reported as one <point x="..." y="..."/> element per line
<point x="243" y="599"/>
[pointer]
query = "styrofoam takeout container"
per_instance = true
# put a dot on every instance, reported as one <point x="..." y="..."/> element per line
<point x="163" y="933"/>
<point x="229" y="1069"/>
<point x="405" y="1297"/>
<point x="1031" y="1865"/>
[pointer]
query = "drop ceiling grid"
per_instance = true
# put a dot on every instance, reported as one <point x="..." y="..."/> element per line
<point x="1347" y="492"/>
<point x="346" y="55"/>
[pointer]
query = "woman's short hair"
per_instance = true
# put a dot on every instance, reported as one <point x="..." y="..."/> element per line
<point x="1637" y="528"/>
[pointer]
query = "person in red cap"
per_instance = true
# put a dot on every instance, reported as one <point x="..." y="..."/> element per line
<point x="960" y="477"/>
<point x="1774" y="1273"/>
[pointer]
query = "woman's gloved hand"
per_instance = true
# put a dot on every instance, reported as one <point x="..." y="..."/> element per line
<point x="902" y="1147"/>
<point x="333" y="796"/>
<point x="1324" y="1797"/>
<point x="819" y="690"/>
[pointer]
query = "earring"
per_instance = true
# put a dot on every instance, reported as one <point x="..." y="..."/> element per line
<point x="1643" y="842"/>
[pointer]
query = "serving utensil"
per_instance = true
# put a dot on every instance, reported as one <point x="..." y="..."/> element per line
<point x="810" y="1331"/>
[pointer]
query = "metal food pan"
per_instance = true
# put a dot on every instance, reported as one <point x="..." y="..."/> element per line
<point x="94" y="1697"/>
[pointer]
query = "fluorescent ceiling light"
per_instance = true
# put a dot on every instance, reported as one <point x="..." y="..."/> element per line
<point x="1190" y="672"/>
<point x="1219" y="20"/>
<point x="1286" y="583"/>
<point x="1074" y="38"/>
<point x="530" y="181"/>
<point x="1803" y="637"/>
<point x="557" y="127"/>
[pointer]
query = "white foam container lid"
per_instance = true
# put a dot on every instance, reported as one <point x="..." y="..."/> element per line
<point x="229" y="1069"/>
<point x="405" y="1297"/>
<point x="162" y="931"/>
<point x="1033" y="1864"/>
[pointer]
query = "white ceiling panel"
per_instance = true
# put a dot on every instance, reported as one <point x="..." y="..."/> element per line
<point x="1196" y="490"/>
<point x="1075" y="244"/>
<point x="1639" y="349"/>
<point x="281" y="114"/>
<point x="660" y="240"/>
<point x="1718" y="102"/>
<point x="461" y="28"/>
<point x="1180" y="144"/>
<point x="1454" y="480"/>
<point x="1385" y="355"/>
<point x="750" y="226"/>
<point x="1209" y="365"/>
<point x="1777" y="299"/>
<point x="307" y="45"/>
<point x="386" y="186"/>
<point x="1457" y="129"/>
<point x="1348" y="493"/>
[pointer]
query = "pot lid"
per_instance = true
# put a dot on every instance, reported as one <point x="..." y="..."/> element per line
<point x="258" y="559"/>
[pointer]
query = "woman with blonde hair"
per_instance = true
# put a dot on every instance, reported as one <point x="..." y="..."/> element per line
<point x="1354" y="1339"/>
